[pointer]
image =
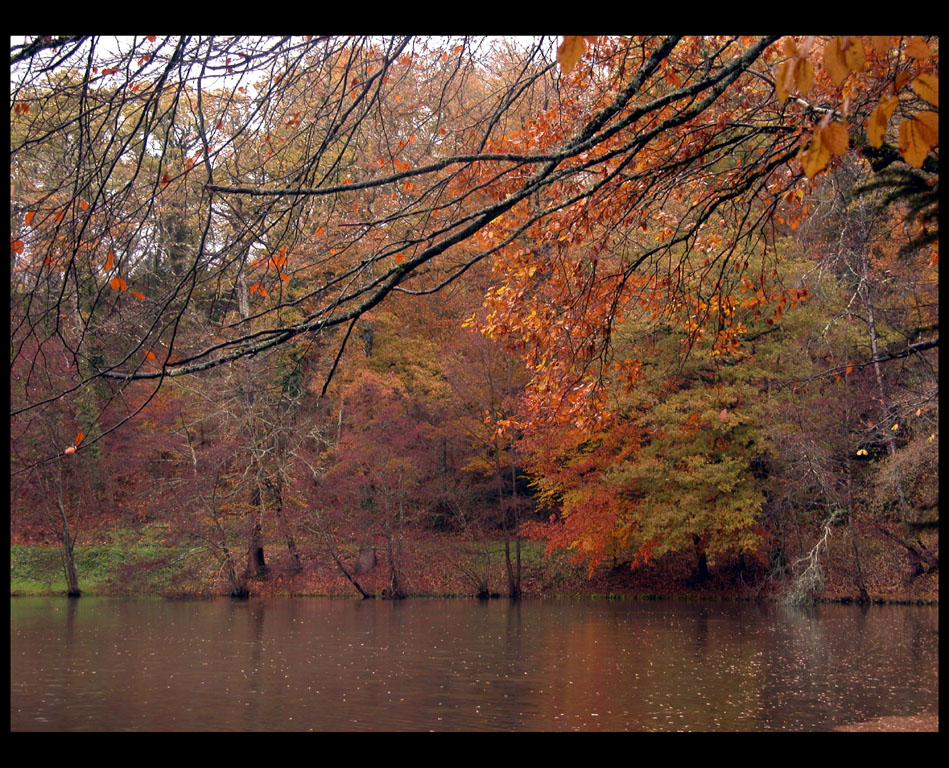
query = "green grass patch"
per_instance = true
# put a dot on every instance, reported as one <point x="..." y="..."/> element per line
<point x="126" y="565"/>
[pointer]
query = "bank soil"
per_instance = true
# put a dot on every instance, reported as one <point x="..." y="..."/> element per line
<point x="927" y="722"/>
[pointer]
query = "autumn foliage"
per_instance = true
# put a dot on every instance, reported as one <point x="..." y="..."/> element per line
<point x="599" y="290"/>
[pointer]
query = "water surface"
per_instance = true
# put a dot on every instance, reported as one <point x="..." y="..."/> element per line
<point x="300" y="664"/>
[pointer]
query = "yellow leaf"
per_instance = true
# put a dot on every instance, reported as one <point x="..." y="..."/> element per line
<point x="834" y="137"/>
<point x="570" y="51"/>
<point x="895" y="427"/>
<point x="927" y="88"/>
<point x="917" y="48"/>
<point x="816" y="157"/>
<point x="876" y="125"/>
<point x="862" y="452"/>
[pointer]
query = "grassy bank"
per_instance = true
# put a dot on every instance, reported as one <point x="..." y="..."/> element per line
<point x="129" y="562"/>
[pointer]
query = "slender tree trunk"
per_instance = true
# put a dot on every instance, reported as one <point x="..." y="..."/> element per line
<point x="67" y="547"/>
<point x="276" y="492"/>
<point x="256" y="563"/>
<point x="862" y="596"/>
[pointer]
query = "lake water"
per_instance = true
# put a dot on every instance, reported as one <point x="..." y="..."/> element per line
<point x="300" y="664"/>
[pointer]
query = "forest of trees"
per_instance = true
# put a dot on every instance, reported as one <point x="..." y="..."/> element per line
<point x="638" y="298"/>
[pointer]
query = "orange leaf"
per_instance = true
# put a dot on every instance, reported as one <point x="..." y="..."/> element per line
<point x="17" y="246"/>
<point x="138" y="295"/>
<point x="110" y="257"/>
<point x="284" y="277"/>
<point x="917" y="48"/>
<point x="834" y="61"/>
<point x="834" y="137"/>
<point x="150" y="355"/>
<point x="917" y="137"/>
<point x="28" y="219"/>
<point x="83" y="204"/>
<point x="816" y="157"/>
<point x="319" y="230"/>
<point x="399" y="258"/>
<point x="876" y="125"/>
<point x="79" y="437"/>
<point x="880" y="43"/>
<point x="927" y="88"/>
<point x="570" y="52"/>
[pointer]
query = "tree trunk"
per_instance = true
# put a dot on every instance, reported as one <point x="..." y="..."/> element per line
<point x="862" y="596"/>
<point x="700" y="574"/>
<point x="296" y="565"/>
<point x="256" y="563"/>
<point x="513" y="568"/>
<point x="68" y="543"/>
